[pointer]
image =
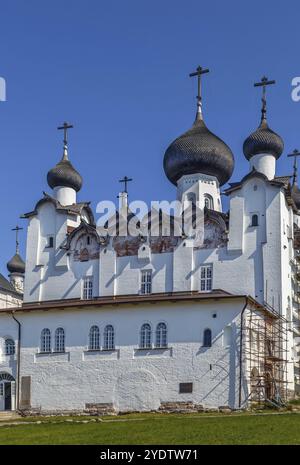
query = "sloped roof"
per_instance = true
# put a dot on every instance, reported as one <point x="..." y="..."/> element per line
<point x="280" y="181"/>
<point x="7" y="287"/>
<point x="74" y="209"/>
<point x="129" y="299"/>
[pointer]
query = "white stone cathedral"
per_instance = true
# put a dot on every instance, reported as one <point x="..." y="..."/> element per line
<point x="137" y="323"/>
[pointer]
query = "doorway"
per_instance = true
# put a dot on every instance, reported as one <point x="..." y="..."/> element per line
<point x="7" y="396"/>
<point x="7" y="392"/>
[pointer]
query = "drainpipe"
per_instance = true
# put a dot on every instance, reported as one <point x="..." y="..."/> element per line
<point x="18" y="360"/>
<point x="241" y="352"/>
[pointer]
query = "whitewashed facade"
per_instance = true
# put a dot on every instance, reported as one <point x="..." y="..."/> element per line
<point x="10" y="298"/>
<point x="202" y="297"/>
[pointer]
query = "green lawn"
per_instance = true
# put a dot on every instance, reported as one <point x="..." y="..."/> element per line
<point x="162" y="429"/>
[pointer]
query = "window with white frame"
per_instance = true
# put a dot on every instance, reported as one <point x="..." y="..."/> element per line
<point x="146" y="336"/>
<point x="87" y="290"/>
<point x="9" y="347"/>
<point x="59" y="342"/>
<point x="146" y="281"/>
<point x="94" y="338"/>
<point x="45" y="341"/>
<point x="109" y="338"/>
<point x="161" y="335"/>
<point x="206" y="278"/>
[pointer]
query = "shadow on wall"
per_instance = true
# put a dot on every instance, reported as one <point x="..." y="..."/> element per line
<point x="224" y="373"/>
<point x="58" y="274"/>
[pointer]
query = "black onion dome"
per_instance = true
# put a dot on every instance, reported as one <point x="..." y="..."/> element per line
<point x="296" y="195"/>
<point x="16" y="264"/>
<point x="263" y="140"/>
<point x="64" y="175"/>
<point x="198" y="151"/>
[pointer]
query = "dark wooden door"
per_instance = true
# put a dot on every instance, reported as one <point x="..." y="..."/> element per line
<point x="7" y="396"/>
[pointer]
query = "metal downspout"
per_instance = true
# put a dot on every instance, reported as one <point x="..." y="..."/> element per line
<point x="241" y="352"/>
<point x="18" y="360"/>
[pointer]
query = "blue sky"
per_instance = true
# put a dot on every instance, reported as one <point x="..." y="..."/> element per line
<point x="118" y="71"/>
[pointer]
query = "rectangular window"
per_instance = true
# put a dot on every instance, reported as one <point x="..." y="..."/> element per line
<point x="185" y="388"/>
<point x="146" y="282"/>
<point x="50" y="242"/>
<point x="206" y="278"/>
<point x="1" y="389"/>
<point x="87" y="292"/>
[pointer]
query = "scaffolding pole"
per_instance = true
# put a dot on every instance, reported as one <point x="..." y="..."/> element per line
<point x="265" y="355"/>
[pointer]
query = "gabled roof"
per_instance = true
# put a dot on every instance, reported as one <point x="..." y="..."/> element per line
<point x="280" y="181"/>
<point x="74" y="209"/>
<point x="85" y="228"/>
<point x="7" y="287"/>
<point x="283" y="179"/>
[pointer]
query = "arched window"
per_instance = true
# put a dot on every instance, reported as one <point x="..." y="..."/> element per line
<point x="254" y="220"/>
<point x="59" y="345"/>
<point x="46" y="340"/>
<point x="207" y="338"/>
<point x="94" y="338"/>
<point x="145" y="336"/>
<point x="208" y="201"/>
<point x="109" y="338"/>
<point x="9" y="347"/>
<point x="161" y="335"/>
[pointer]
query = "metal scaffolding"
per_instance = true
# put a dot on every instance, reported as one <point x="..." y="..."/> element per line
<point x="265" y="355"/>
<point x="295" y="317"/>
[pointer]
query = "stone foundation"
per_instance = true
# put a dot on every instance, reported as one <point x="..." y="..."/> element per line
<point x="189" y="407"/>
<point x="33" y="412"/>
<point x="90" y="410"/>
<point x="179" y="407"/>
<point x="100" y="409"/>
